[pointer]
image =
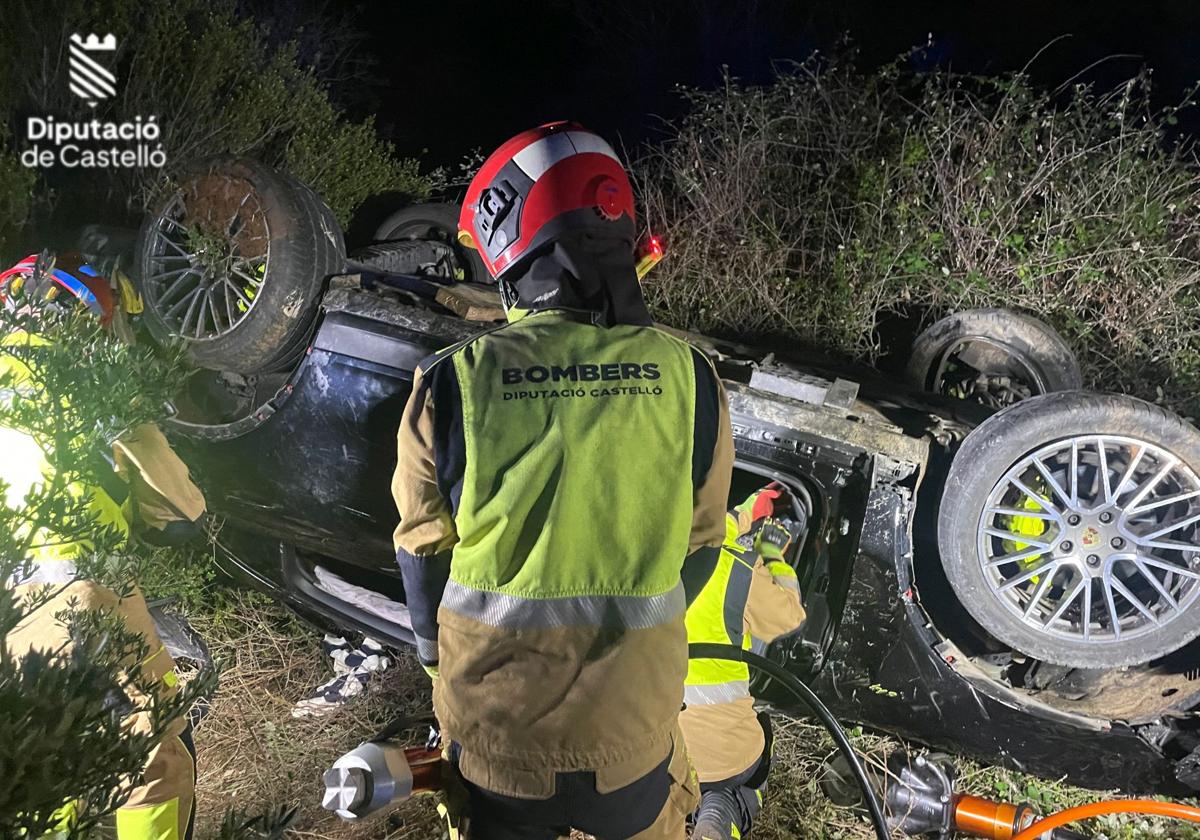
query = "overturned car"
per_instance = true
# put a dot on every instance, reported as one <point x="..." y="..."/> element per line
<point x="996" y="563"/>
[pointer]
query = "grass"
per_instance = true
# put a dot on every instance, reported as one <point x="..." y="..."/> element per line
<point x="253" y="755"/>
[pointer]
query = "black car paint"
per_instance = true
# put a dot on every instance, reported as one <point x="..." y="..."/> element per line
<point x="310" y="471"/>
<point x="315" y="466"/>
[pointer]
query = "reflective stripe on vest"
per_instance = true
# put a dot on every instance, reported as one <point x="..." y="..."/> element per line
<point x="630" y="612"/>
<point x="709" y="695"/>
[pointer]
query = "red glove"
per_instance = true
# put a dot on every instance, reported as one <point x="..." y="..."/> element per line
<point x="758" y="507"/>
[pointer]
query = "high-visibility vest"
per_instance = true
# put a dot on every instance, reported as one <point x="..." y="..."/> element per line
<point x="718" y="616"/>
<point x="569" y="408"/>
<point x="568" y="460"/>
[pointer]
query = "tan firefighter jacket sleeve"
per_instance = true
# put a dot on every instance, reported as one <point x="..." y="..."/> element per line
<point x="161" y="490"/>
<point x="426" y="530"/>
<point x="773" y="608"/>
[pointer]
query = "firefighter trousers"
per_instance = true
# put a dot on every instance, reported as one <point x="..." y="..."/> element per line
<point x="654" y="807"/>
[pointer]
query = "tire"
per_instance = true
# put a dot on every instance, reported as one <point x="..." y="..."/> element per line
<point x="234" y="262"/>
<point x="331" y="259"/>
<point x="438" y="222"/>
<point x="1083" y="551"/>
<point x="1020" y="355"/>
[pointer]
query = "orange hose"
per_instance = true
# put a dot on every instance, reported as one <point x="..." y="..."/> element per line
<point x="1119" y="806"/>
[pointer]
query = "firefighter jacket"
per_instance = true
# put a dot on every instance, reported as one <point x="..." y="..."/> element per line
<point x="159" y="491"/>
<point x="161" y="807"/>
<point x="552" y="477"/>
<point x="748" y="602"/>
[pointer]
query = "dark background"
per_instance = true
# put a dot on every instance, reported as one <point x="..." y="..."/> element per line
<point x="452" y="76"/>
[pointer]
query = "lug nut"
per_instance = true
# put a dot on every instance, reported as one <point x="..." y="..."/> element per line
<point x="1117" y="542"/>
<point x="1106" y="517"/>
<point x="1073" y="519"/>
<point x="1065" y="546"/>
<point x="1093" y="559"/>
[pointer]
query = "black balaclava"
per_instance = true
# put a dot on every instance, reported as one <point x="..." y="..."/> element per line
<point x="581" y="271"/>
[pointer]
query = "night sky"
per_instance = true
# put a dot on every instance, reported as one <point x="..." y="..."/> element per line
<point x="455" y="75"/>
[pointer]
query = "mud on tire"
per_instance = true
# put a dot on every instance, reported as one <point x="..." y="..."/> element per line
<point x="233" y="263"/>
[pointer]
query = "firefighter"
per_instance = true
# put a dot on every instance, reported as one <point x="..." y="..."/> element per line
<point x="751" y="599"/>
<point x="146" y="488"/>
<point x="561" y="484"/>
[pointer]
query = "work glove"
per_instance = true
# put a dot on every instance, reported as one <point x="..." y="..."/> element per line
<point x="759" y="506"/>
<point x="772" y="540"/>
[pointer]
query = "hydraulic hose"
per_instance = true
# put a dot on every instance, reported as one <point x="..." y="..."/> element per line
<point x="732" y="653"/>
<point x="1149" y="807"/>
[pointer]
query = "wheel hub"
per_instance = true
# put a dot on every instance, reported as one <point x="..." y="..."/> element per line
<point x="208" y="263"/>
<point x="1093" y="543"/>
<point x="1094" y="538"/>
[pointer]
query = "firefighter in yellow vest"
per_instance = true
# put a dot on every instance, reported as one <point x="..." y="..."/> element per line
<point x="149" y="490"/>
<point x="562" y="483"/>
<point x="752" y="599"/>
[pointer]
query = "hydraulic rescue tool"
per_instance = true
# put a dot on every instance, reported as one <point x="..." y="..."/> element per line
<point x="380" y="773"/>
<point x="920" y="799"/>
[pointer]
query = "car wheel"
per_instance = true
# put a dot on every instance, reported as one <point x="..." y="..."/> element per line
<point x="435" y="223"/>
<point x="233" y="264"/>
<point x="992" y="356"/>
<point x="1069" y="529"/>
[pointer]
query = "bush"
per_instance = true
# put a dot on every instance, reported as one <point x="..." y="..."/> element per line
<point x="218" y="88"/>
<point x="62" y="736"/>
<point x="814" y="208"/>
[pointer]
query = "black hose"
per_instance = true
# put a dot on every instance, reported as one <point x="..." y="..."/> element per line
<point x="735" y="654"/>
<point x="398" y="725"/>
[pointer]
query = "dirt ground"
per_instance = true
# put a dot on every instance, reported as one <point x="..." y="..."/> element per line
<point x="254" y="755"/>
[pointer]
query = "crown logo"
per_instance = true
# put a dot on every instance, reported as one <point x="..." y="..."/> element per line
<point x="94" y="42"/>
<point x="90" y="80"/>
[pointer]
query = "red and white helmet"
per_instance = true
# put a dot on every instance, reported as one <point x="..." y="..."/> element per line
<point x="544" y="181"/>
